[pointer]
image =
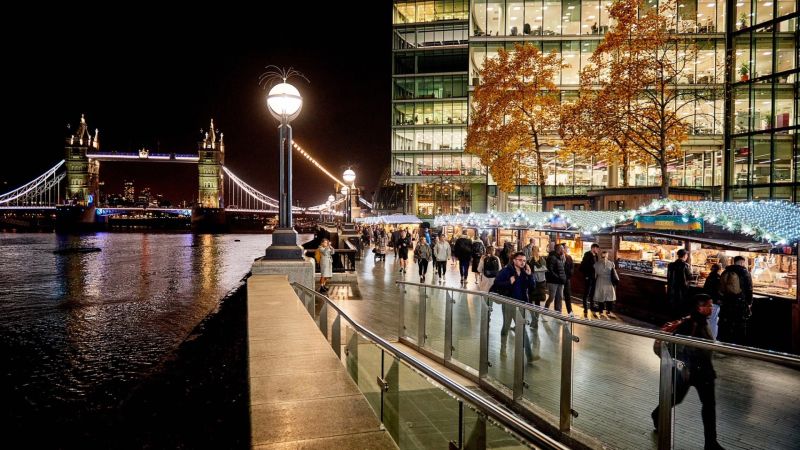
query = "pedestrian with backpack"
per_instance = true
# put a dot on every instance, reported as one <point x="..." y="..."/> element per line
<point x="736" y="287"/>
<point x="478" y="250"/>
<point x="489" y="267"/>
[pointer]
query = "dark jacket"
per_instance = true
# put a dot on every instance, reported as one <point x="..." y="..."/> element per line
<point x="698" y="360"/>
<point x="711" y="287"/>
<point x="737" y="306"/>
<point x="678" y="276"/>
<point x="556" y="272"/>
<point x="569" y="266"/>
<point x="519" y="290"/>
<point x="463" y="248"/>
<point x="587" y="264"/>
<point x="478" y="249"/>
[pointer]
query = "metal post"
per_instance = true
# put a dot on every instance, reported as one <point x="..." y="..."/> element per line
<point x="282" y="177"/>
<point x="483" y="346"/>
<point x="423" y="305"/>
<point x="323" y="319"/>
<point x="289" y="176"/>
<point x="519" y="354"/>
<point x="665" y="399"/>
<point x="336" y="336"/>
<point x="401" y="333"/>
<point x="448" y="326"/>
<point x="566" y="377"/>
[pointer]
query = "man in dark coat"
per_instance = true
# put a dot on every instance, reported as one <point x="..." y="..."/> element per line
<point x="514" y="280"/>
<point x="678" y="276"/>
<point x="587" y="270"/>
<point x="734" y="311"/>
<point x="698" y="372"/>
<point x="463" y="252"/>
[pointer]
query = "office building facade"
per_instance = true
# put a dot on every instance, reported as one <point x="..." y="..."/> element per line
<point x="573" y="29"/>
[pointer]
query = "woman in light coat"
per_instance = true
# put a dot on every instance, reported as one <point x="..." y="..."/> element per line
<point x="605" y="294"/>
<point x="325" y="264"/>
<point x="486" y="281"/>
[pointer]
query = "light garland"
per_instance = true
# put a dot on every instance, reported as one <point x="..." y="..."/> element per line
<point x="777" y="222"/>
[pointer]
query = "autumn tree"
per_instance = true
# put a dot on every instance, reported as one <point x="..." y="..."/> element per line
<point x="633" y="86"/>
<point x="515" y="110"/>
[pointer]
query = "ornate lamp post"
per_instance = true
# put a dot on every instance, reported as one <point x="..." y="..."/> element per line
<point x="284" y="103"/>
<point x="349" y="177"/>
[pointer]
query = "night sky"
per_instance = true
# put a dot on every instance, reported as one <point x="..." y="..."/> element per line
<point x="155" y="78"/>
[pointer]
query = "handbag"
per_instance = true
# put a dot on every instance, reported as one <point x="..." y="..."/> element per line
<point x="614" y="277"/>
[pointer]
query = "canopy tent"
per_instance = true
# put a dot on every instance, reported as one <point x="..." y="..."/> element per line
<point x="394" y="219"/>
<point x="776" y="222"/>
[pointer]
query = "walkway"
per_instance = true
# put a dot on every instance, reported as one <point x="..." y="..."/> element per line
<point x="615" y="376"/>
<point x="298" y="387"/>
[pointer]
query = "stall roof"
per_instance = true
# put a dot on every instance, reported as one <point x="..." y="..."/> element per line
<point x="776" y="222"/>
<point x="749" y="246"/>
<point x="394" y="219"/>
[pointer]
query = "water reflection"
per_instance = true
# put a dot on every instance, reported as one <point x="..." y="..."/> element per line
<point x="82" y="329"/>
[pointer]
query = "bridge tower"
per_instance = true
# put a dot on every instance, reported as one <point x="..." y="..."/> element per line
<point x="211" y="151"/>
<point x="82" y="171"/>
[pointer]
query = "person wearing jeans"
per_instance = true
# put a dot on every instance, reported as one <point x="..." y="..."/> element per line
<point x="587" y="270"/>
<point x="556" y="277"/>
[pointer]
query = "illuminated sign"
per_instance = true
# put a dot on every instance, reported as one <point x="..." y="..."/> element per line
<point x="669" y="223"/>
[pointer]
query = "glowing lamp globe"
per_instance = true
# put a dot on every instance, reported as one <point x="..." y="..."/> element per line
<point x="284" y="102"/>
<point x="331" y="198"/>
<point x="349" y="176"/>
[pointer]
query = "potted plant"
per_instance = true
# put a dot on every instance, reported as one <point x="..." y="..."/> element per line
<point x="744" y="71"/>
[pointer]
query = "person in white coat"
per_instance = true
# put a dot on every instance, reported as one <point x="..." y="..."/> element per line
<point x="605" y="294"/>
<point x="441" y="251"/>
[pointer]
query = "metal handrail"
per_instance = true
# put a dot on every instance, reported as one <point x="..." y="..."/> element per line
<point x="739" y="350"/>
<point x="502" y="416"/>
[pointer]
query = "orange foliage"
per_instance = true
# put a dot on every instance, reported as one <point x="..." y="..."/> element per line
<point x="514" y="110"/>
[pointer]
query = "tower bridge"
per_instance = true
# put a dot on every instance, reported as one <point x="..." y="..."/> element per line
<point x="71" y="187"/>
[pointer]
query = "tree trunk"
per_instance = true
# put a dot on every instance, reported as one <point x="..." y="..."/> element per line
<point x="664" y="179"/>
<point x="626" y="162"/>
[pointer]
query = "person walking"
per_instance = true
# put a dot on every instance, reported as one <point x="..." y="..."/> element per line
<point x="698" y="371"/>
<point x="569" y="268"/>
<point x="463" y="251"/>
<point x="556" y="277"/>
<point x="403" y="245"/>
<point x="489" y="267"/>
<point x="515" y="281"/>
<point x="442" y="253"/>
<point x="678" y="275"/>
<point x="538" y="265"/>
<point x="712" y="288"/>
<point x="736" y="287"/>
<point x="422" y="255"/>
<point x="587" y="270"/>
<point x="325" y="264"/>
<point x="478" y="250"/>
<point x="528" y="249"/>
<point x="605" y="292"/>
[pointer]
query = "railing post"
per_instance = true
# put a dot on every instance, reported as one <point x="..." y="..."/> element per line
<point x="448" y="326"/>
<point x="423" y="306"/>
<point x="519" y="353"/>
<point x="323" y="319"/>
<point x="665" y="399"/>
<point x="566" y="377"/>
<point x="401" y="333"/>
<point x="336" y="336"/>
<point x="483" y="346"/>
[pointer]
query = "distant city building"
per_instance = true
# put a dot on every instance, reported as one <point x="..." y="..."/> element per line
<point x="128" y="192"/>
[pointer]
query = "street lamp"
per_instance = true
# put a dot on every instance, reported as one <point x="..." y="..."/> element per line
<point x="349" y="177"/>
<point x="345" y="192"/>
<point x="284" y="103"/>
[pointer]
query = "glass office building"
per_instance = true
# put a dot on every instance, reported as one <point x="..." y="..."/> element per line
<point x="440" y="46"/>
<point x="762" y="138"/>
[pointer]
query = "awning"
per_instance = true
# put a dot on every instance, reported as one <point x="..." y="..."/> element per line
<point x="726" y="244"/>
<point x="394" y="219"/>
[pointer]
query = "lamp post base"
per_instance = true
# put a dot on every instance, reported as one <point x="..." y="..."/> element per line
<point x="284" y="245"/>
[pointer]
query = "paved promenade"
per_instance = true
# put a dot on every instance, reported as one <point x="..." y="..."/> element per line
<point x="615" y="376"/>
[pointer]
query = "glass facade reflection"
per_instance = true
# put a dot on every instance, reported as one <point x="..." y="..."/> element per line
<point x="742" y="148"/>
<point x="762" y="155"/>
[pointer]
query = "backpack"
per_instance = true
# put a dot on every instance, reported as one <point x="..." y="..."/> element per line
<point x="670" y="328"/>
<point x="318" y="255"/>
<point x="478" y="249"/>
<point x="729" y="283"/>
<point x="491" y="267"/>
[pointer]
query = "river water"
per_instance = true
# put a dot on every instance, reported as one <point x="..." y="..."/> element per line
<point x="79" y="331"/>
